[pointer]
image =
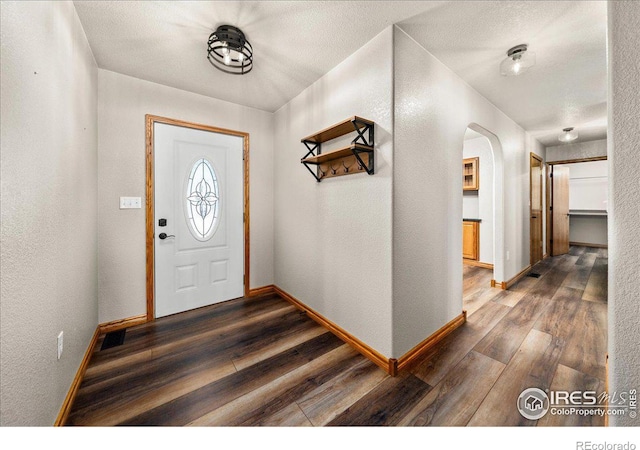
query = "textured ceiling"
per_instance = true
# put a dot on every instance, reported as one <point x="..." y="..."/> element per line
<point x="568" y="85"/>
<point x="296" y="42"/>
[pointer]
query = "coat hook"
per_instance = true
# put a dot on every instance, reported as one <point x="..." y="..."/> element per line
<point x="333" y="171"/>
<point x="346" y="169"/>
<point x="322" y="174"/>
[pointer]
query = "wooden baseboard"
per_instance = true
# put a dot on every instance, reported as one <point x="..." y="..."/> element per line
<point x="101" y="329"/>
<point x="585" y="244"/>
<point x="471" y="262"/>
<point x="116" y="325"/>
<point x="264" y="290"/>
<point x="391" y="365"/>
<point x="517" y="278"/>
<point x="370" y="353"/>
<point x="409" y="358"/>
<point x="507" y="284"/>
<point x="75" y="384"/>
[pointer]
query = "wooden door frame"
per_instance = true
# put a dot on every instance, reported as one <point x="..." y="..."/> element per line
<point x="533" y="156"/>
<point x="151" y="120"/>
<point x="548" y="206"/>
<point x="573" y="161"/>
<point x="549" y="193"/>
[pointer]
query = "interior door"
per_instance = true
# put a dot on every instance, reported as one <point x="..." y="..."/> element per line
<point x="535" y="226"/>
<point x="560" y="210"/>
<point x="198" y="214"/>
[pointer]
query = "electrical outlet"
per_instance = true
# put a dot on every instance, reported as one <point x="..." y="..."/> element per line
<point x="60" y="343"/>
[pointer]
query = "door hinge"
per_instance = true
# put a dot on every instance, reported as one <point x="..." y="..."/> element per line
<point x="550" y="208"/>
<point x="551" y="175"/>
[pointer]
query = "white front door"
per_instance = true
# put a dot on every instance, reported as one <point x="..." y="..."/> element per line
<point x="198" y="218"/>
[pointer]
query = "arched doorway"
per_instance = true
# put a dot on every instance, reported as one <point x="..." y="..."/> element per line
<point x="496" y="185"/>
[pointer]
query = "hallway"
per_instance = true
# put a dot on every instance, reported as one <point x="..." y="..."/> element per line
<point x="259" y="361"/>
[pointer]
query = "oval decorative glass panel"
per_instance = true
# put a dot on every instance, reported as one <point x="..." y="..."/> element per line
<point x="203" y="200"/>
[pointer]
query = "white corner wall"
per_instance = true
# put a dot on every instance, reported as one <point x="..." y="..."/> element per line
<point x="624" y="192"/>
<point x="433" y="108"/>
<point x="479" y="204"/>
<point x="333" y="239"/>
<point x="123" y="102"/>
<point x="49" y="189"/>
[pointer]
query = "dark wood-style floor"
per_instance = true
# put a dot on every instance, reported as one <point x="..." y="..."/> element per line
<point x="260" y="361"/>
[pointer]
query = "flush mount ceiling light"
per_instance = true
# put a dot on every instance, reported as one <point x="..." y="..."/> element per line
<point x="568" y="135"/>
<point x="230" y="51"/>
<point x="518" y="61"/>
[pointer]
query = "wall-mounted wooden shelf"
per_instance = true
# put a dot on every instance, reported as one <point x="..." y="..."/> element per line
<point x="355" y="158"/>
<point x="470" y="178"/>
<point x="339" y="129"/>
<point x="339" y="153"/>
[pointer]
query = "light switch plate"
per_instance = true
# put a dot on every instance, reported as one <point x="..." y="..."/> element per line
<point x="130" y="202"/>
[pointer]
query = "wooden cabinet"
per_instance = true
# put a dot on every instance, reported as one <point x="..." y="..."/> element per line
<point x="470" y="240"/>
<point x="470" y="178"/>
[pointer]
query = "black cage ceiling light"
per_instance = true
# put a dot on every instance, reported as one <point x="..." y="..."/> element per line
<point x="230" y="51"/>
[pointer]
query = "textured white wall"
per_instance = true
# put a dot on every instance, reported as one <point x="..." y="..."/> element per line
<point x="433" y="108"/>
<point x="581" y="150"/>
<point x="588" y="229"/>
<point x="479" y="204"/>
<point x="333" y="239"/>
<point x="123" y="103"/>
<point x="624" y="192"/>
<point x="49" y="189"/>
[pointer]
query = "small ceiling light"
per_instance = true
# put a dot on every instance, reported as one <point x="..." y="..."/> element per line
<point x="518" y="61"/>
<point x="229" y="50"/>
<point x="568" y="135"/>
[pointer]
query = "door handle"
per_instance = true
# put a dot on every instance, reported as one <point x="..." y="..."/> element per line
<point x="164" y="236"/>
<point x="534" y="217"/>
